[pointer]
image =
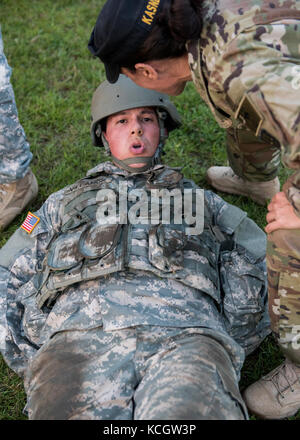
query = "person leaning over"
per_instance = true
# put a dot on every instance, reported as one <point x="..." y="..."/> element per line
<point x="110" y="310"/>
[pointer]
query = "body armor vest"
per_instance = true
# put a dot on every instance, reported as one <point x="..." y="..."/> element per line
<point x="228" y="266"/>
<point x="85" y="249"/>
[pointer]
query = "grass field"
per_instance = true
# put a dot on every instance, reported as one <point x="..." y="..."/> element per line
<point x="54" y="77"/>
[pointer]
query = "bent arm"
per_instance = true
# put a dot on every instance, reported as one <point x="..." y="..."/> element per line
<point x="19" y="260"/>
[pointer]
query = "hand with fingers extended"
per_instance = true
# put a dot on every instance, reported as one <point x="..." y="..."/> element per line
<point x="281" y="214"/>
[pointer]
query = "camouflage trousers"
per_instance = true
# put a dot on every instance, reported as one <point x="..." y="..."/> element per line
<point x="137" y="373"/>
<point x="15" y="155"/>
<point x="250" y="157"/>
<point x="283" y="262"/>
<point x="254" y="160"/>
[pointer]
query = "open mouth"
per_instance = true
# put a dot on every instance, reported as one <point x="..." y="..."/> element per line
<point x="137" y="148"/>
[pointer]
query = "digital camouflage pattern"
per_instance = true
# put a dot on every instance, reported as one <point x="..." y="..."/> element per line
<point x="145" y="373"/>
<point x="15" y="155"/>
<point x="246" y="67"/>
<point x="138" y="297"/>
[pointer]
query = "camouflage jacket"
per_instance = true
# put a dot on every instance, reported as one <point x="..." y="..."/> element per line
<point x="246" y="67"/>
<point x="73" y="273"/>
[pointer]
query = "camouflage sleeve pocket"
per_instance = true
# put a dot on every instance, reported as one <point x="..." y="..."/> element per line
<point x="166" y="248"/>
<point x="244" y="292"/>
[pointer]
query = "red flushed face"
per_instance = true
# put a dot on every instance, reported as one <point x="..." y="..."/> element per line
<point x="133" y="133"/>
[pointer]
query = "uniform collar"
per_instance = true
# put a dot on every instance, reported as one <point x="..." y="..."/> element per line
<point x="110" y="168"/>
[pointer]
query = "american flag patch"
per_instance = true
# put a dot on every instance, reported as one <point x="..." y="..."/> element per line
<point x="30" y="222"/>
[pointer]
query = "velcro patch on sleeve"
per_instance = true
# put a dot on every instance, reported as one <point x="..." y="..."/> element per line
<point x="30" y="222"/>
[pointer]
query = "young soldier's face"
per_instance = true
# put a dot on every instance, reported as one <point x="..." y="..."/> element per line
<point x="133" y="133"/>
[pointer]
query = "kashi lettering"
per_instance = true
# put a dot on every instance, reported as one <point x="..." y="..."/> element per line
<point x="150" y="11"/>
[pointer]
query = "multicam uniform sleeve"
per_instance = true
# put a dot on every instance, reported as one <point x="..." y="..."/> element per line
<point x="20" y="259"/>
<point x="246" y="68"/>
<point x="264" y="85"/>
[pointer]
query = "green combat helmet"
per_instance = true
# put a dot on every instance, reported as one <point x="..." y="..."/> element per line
<point x="109" y="99"/>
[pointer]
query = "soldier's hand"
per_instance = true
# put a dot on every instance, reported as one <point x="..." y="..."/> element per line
<point x="281" y="214"/>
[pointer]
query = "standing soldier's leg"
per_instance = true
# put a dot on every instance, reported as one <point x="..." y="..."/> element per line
<point x="283" y="259"/>
<point x="284" y="290"/>
<point x="18" y="185"/>
<point x="277" y="395"/>
<point x="253" y="169"/>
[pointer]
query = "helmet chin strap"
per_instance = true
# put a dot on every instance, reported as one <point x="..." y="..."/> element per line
<point x="125" y="163"/>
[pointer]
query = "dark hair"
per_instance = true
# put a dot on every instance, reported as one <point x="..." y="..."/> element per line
<point x="178" y="22"/>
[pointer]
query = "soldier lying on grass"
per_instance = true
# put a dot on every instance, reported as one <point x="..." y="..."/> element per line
<point x="133" y="294"/>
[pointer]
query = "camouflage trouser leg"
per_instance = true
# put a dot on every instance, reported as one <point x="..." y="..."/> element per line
<point x="141" y="373"/>
<point x="251" y="158"/>
<point x="283" y="262"/>
<point x="15" y="155"/>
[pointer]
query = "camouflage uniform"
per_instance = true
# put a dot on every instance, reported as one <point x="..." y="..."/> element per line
<point x="15" y="155"/>
<point x="246" y="67"/>
<point x="107" y="336"/>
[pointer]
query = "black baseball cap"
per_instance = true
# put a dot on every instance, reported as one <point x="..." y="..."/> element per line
<point x="121" y="28"/>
